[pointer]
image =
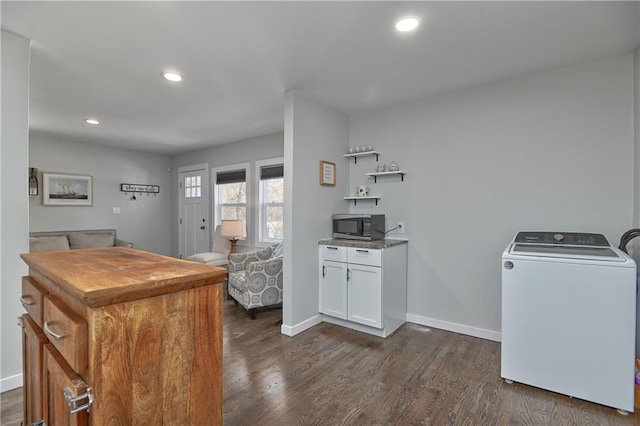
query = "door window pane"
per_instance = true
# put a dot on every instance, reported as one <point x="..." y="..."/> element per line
<point x="193" y="186"/>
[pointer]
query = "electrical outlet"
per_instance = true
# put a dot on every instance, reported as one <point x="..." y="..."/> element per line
<point x="116" y="210"/>
<point x="400" y="227"/>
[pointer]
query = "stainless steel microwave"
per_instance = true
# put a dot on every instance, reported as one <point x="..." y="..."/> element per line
<point x="366" y="227"/>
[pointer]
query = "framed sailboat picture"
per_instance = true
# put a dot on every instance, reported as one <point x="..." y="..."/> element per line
<point x="62" y="189"/>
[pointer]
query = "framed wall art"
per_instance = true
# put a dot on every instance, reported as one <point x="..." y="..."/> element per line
<point x="327" y="173"/>
<point x="63" y="189"/>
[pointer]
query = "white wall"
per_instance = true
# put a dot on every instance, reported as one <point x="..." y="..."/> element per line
<point x="14" y="214"/>
<point x="145" y="222"/>
<point x="636" y="115"/>
<point x="550" y="151"/>
<point x="312" y="133"/>
<point x="249" y="150"/>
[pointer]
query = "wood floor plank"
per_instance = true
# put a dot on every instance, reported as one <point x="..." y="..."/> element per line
<point x="330" y="375"/>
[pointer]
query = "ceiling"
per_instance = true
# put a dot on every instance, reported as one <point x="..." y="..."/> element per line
<point x="103" y="59"/>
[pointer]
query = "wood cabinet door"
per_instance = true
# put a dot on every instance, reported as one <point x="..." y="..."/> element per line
<point x="365" y="295"/>
<point x="33" y="341"/>
<point x="333" y="289"/>
<point x="58" y="379"/>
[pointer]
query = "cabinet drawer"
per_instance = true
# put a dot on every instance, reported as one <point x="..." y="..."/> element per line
<point x="363" y="256"/>
<point x="67" y="332"/>
<point x="31" y="299"/>
<point x="337" y="254"/>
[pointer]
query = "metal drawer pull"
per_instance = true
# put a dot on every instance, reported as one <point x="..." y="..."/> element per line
<point x="72" y="401"/>
<point x="26" y="300"/>
<point x="50" y="333"/>
<point x="362" y="251"/>
<point x="332" y="248"/>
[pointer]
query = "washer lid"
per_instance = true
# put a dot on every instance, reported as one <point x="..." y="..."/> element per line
<point x="573" y="252"/>
<point x="568" y="245"/>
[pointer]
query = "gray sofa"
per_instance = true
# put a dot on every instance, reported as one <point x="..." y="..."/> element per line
<point x="72" y="240"/>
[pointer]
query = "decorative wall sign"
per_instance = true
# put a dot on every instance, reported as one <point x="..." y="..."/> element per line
<point x="134" y="187"/>
<point x="327" y="173"/>
<point x="61" y="189"/>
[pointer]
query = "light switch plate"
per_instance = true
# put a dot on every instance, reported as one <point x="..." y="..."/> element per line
<point x="116" y="210"/>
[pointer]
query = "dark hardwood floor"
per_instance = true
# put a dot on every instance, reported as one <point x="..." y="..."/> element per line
<point x="330" y="375"/>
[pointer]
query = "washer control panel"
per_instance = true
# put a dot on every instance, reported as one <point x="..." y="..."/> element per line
<point x="562" y="238"/>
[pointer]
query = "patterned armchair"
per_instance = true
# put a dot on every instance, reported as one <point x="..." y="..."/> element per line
<point x="255" y="279"/>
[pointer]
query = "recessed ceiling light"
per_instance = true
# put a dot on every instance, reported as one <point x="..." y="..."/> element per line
<point x="171" y="76"/>
<point x="407" y="23"/>
<point x="91" y="121"/>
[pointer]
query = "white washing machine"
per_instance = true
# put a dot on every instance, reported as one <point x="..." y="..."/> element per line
<point x="569" y="316"/>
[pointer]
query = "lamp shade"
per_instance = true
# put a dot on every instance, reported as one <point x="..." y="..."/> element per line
<point x="232" y="228"/>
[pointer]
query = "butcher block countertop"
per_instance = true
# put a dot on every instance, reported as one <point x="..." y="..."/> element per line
<point x="104" y="276"/>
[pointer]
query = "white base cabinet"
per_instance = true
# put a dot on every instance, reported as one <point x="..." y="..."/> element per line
<point x="364" y="295"/>
<point x="364" y="288"/>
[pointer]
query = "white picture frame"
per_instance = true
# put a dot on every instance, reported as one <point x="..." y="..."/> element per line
<point x="68" y="190"/>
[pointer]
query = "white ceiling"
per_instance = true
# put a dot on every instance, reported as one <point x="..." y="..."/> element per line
<point x="103" y="59"/>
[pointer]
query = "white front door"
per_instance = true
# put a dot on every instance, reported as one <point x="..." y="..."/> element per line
<point x="193" y="224"/>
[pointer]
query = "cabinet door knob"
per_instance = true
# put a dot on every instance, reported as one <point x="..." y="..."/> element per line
<point x="50" y="333"/>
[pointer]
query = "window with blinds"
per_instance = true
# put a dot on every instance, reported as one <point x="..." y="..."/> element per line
<point x="231" y="187"/>
<point x="271" y="211"/>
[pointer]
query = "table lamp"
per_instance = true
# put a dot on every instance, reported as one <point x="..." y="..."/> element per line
<point x="234" y="230"/>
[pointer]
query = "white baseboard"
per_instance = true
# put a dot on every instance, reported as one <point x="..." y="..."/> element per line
<point x="482" y="333"/>
<point x="300" y="327"/>
<point x="11" y="382"/>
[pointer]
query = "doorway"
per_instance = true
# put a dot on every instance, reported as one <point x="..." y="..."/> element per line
<point x="193" y="224"/>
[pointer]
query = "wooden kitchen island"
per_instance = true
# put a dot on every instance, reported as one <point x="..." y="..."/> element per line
<point x="123" y="337"/>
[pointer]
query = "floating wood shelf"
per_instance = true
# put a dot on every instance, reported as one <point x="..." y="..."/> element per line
<point x="376" y="174"/>
<point x="355" y="199"/>
<point x="355" y="155"/>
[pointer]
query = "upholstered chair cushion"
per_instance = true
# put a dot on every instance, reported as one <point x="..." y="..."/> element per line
<point x="210" y="258"/>
<point x="80" y="240"/>
<point x="57" y="243"/>
<point x="219" y="254"/>
<point x="255" y="279"/>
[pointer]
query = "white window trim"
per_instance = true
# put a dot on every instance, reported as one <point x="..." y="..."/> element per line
<point x="258" y="198"/>
<point x="249" y="241"/>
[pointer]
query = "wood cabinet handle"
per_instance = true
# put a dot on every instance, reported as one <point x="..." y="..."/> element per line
<point x="50" y="333"/>
<point x="26" y="300"/>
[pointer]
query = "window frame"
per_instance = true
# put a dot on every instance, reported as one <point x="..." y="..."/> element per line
<point x="217" y="206"/>
<point x="261" y="206"/>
